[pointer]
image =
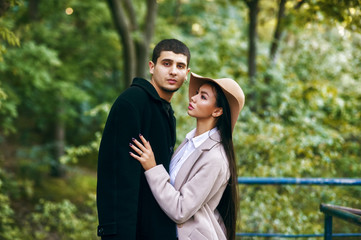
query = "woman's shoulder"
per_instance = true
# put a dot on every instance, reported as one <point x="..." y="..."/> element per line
<point x="217" y="154"/>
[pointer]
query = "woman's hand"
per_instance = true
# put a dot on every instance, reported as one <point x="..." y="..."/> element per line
<point x="145" y="153"/>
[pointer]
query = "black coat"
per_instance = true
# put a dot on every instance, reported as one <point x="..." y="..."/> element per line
<point x="127" y="209"/>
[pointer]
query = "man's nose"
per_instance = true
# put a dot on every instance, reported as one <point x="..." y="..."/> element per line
<point x="173" y="69"/>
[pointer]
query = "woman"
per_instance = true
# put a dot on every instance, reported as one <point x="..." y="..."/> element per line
<point x="200" y="193"/>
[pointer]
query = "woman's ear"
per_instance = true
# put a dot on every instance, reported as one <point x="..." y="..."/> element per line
<point x="217" y="112"/>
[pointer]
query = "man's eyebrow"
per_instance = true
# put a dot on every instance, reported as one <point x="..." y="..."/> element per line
<point x="171" y="60"/>
<point x="167" y="60"/>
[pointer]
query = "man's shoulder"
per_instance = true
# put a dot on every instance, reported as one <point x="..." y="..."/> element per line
<point x="134" y="97"/>
<point x="134" y="92"/>
<point x="140" y="88"/>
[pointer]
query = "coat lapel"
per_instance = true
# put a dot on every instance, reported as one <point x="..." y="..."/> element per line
<point x="183" y="173"/>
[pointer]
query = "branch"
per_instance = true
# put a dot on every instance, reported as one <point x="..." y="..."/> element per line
<point x="299" y="4"/>
<point x="278" y="30"/>
<point x="118" y="17"/>
<point x="121" y="25"/>
<point x="152" y="7"/>
<point x="4" y="6"/>
<point x="132" y="16"/>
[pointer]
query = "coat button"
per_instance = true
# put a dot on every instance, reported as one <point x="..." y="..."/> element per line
<point x="101" y="230"/>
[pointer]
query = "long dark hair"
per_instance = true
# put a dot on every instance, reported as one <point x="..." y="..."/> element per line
<point x="228" y="206"/>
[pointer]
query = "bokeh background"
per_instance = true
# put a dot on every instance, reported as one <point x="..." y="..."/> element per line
<point x="64" y="62"/>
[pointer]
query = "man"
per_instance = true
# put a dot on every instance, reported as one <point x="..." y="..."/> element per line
<point x="127" y="209"/>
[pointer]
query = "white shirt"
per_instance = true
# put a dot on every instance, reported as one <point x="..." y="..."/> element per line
<point x="187" y="149"/>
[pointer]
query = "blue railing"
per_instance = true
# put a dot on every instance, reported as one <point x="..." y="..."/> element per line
<point x="348" y="214"/>
<point x="299" y="181"/>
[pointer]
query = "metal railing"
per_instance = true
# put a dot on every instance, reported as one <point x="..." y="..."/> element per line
<point x="300" y="181"/>
<point x="351" y="215"/>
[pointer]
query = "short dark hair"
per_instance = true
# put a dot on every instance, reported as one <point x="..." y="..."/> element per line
<point x="172" y="45"/>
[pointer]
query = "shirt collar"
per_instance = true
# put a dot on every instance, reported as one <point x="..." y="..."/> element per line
<point x="198" y="140"/>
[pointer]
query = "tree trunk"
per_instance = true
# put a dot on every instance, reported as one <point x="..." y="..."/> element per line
<point x="177" y="12"/>
<point x="4" y="6"/>
<point x="144" y="43"/>
<point x="57" y="170"/>
<point x="278" y="31"/>
<point x="252" y="47"/>
<point x="279" y="28"/>
<point x="135" y="41"/>
<point x="278" y="34"/>
<point x="121" y="26"/>
<point x="252" y="32"/>
<point x="33" y="9"/>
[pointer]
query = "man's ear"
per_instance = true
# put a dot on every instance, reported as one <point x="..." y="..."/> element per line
<point x="217" y="112"/>
<point x="151" y="67"/>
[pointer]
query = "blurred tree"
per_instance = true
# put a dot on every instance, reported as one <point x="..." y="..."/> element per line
<point x="307" y="125"/>
<point x="66" y="65"/>
<point x="33" y="11"/>
<point x="252" y="38"/>
<point x="6" y="107"/>
<point x="278" y="31"/>
<point x="5" y="33"/>
<point x="135" y="30"/>
<point x="346" y="12"/>
<point x="4" y="6"/>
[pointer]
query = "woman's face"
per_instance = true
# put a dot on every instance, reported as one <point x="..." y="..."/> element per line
<point x="203" y="104"/>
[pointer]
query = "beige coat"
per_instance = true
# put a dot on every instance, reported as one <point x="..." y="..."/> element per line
<point x="197" y="190"/>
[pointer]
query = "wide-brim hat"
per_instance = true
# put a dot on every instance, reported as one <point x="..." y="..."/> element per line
<point x="230" y="88"/>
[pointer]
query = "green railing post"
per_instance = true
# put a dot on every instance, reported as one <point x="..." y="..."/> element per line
<point x="328" y="227"/>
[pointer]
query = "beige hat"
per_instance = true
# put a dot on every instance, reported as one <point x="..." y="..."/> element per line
<point x="230" y="88"/>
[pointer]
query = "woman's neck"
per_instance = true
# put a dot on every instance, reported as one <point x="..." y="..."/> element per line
<point x="204" y="126"/>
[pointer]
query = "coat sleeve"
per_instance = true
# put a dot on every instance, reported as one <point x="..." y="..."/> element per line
<point x="118" y="174"/>
<point x="183" y="204"/>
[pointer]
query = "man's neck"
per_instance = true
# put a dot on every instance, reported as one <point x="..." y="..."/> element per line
<point x="167" y="96"/>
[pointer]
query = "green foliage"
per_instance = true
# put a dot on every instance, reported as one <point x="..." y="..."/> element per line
<point x="9" y="226"/>
<point x="8" y="229"/>
<point x="75" y="153"/>
<point x="9" y="36"/>
<point x="63" y="220"/>
<point x="303" y="119"/>
<point x="5" y="33"/>
<point x="345" y="11"/>
<point x="66" y="214"/>
<point x="305" y="126"/>
<point x="2" y="97"/>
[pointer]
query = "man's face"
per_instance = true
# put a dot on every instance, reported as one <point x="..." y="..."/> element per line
<point x="168" y="73"/>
